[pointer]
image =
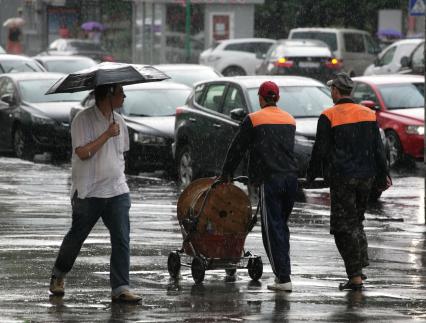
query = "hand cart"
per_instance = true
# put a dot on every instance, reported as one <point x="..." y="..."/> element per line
<point x="214" y="218"/>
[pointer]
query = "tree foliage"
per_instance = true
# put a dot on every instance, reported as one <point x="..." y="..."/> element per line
<point x="275" y="18"/>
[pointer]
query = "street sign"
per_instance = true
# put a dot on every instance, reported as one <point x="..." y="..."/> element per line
<point x="416" y="7"/>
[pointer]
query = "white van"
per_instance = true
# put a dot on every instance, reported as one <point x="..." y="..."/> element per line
<point x="355" y="48"/>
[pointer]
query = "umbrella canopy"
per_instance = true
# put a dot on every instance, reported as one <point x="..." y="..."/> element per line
<point x="106" y="73"/>
<point x="92" y="25"/>
<point x="14" y="22"/>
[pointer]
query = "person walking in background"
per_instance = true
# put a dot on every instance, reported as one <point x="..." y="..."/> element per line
<point x="268" y="135"/>
<point x="348" y="139"/>
<point x="99" y="190"/>
<point x="14" y="34"/>
<point x="14" y="45"/>
<point x="95" y="35"/>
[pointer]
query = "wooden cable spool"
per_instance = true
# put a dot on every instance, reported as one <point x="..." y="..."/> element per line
<point x="227" y="208"/>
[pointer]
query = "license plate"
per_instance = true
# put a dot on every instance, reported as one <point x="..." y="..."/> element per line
<point x="309" y="64"/>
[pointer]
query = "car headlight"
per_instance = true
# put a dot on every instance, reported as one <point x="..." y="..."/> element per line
<point x="148" y="140"/>
<point x="42" y="120"/>
<point x="304" y="141"/>
<point x="415" y="130"/>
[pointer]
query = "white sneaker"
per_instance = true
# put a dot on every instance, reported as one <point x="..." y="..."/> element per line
<point x="286" y="287"/>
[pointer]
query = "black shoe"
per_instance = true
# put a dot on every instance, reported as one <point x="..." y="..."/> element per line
<point x="351" y="286"/>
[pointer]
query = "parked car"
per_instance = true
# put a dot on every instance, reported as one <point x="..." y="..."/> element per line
<point x="188" y="74"/>
<point x="311" y="58"/>
<point x="32" y="122"/>
<point x="415" y="63"/>
<point x="354" y="48"/>
<point x="64" y="64"/>
<point x="207" y="123"/>
<point x="389" y="59"/>
<point x="238" y="56"/>
<point x="81" y="47"/>
<point x="149" y="112"/>
<point x="17" y="63"/>
<point x="399" y="104"/>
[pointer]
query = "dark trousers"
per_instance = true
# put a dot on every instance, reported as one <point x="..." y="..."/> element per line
<point x="86" y="212"/>
<point x="277" y="200"/>
<point x="349" y="198"/>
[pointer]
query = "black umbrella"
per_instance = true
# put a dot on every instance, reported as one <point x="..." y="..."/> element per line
<point x="106" y="73"/>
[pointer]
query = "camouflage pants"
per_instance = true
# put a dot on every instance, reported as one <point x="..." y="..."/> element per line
<point x="349" y="198"/>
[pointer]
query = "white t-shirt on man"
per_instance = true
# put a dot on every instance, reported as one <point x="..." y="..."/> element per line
<point x="102" y="175"/>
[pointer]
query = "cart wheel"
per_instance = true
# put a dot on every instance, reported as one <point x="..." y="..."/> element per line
<point x="173" y="264"/>
<point x="198" y="269"/>
<point x="255" y="268"/>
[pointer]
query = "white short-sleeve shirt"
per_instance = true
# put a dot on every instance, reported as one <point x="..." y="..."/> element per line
<point x="102" y="175"/>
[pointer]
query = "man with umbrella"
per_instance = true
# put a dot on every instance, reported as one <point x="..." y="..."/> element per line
<point x="99" y="189"/>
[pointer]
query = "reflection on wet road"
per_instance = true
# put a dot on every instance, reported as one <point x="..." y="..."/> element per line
<point x="35" y="214"/>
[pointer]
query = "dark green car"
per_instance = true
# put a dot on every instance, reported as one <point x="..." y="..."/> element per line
<point x="205" y="126"/>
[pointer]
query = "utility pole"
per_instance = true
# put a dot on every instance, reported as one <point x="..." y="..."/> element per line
<point x="188" y="30"/>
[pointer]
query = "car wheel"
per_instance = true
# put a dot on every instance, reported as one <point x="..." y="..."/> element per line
<point x="22" y="144"/>
<point x="395" y="148"/>
<point x="233" y="71"/>
<point x="185" y="166"/>
<point x="375" y="194"/>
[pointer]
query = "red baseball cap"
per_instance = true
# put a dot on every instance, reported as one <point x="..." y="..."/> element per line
<point x="269" y="89"/>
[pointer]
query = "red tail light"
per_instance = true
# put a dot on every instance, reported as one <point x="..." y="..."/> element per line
<point x="334" y="63"/>
<point x="108" y="58"/>
<point x="284" y="62"/>
<point x="179" y="110"/>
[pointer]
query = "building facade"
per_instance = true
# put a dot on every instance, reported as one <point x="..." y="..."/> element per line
<point x="160" y="33"/>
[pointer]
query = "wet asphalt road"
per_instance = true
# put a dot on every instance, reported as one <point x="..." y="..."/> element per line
<point x="35" y="215"/>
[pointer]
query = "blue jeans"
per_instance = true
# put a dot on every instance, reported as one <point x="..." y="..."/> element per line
<point x="114" y="212"/>
<point x="277" y="200"/>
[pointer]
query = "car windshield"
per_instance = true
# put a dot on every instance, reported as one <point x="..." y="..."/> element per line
<point x="328" y="38"/>
<point x="403" y="96"/>
<point x="299" y="101"/>
<point x="154" y="103"/>
<point x="189" y="77"/>
<point x="34" y="91"/>
<point x="15" y="66"/>
<point x="68" y="66"/>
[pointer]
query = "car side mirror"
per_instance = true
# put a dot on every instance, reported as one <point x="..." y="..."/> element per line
<point x="405" y="61"/>
<point x="370" y="104"/>
<point x="238" y="114"/>
<point x="377" y="62"/>
<point x="8" y="99"/>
